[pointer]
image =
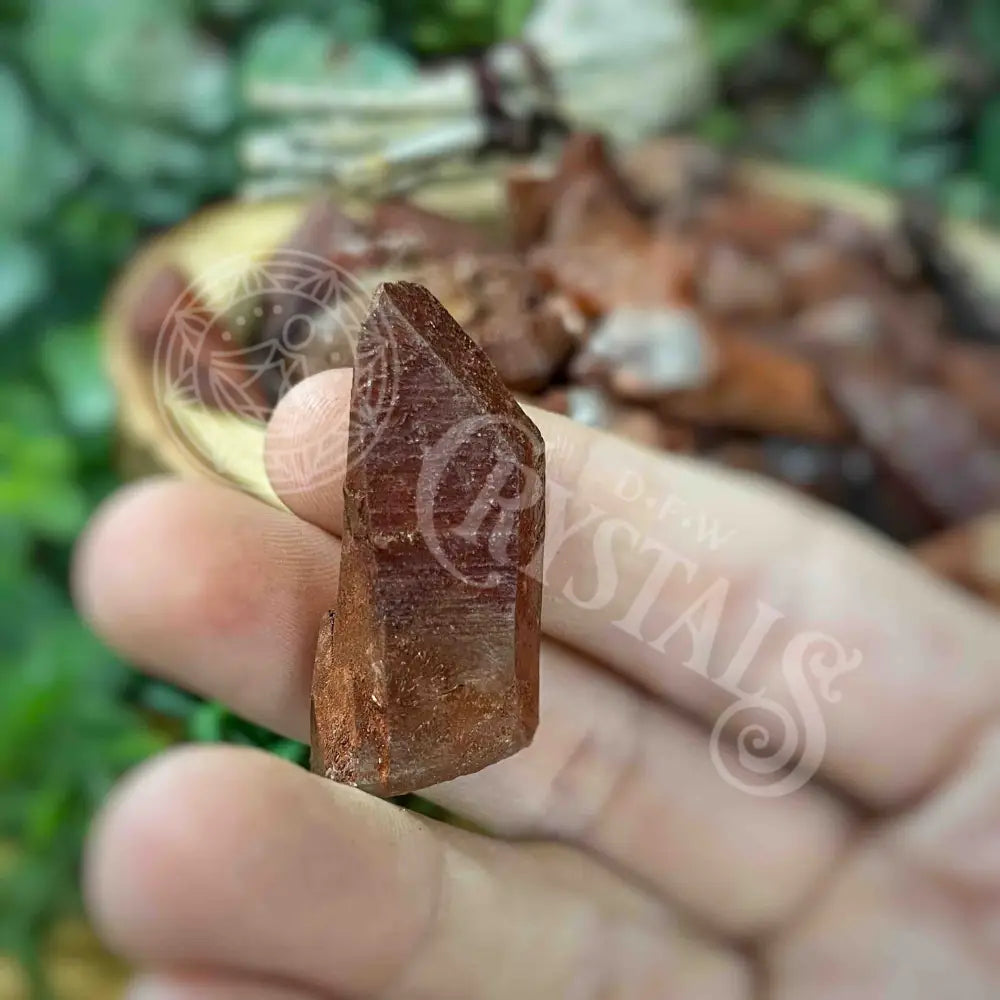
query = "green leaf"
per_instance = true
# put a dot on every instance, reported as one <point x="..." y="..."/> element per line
<point x="38" y="165"/>
<point x="28" y="407"/>
<point x="297" y="753"/>
<point x="302" y="50"/>
<point x="65" y="736"/>
<point x="13" y="12"/>
<point x="15" y="544"/>
<point x="731" y="33"/>
<point x="828" y="133"/>
<point x="926" y="166"/>
<point x="891" y="33"/>
<point x="825" y="24"/>
<point x="988" y="145"/>
<point x="206" y="724"/>
<point x="511" y="17"/>
<point x="29" y="602"/>
<point x="232" y="8"/>
<point x="37" y="466"/>
<point x="17" y="123"/>
<point x="985" y="28"/>
<point x="860" y="12"/>
<point x="880" y="93"/>
<point x="23" y="278"/>
<point x="133" y="59"/>
<point x="851" y="58"/>
<point x="967" y="196"/>
<point x="721" y="126"/>
<point x="166" y="700"/>
<point x="353" y="21"/>
<point x="71" y="360"/>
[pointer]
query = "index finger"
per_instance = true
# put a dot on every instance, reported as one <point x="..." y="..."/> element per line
<point x="780" y="623"/>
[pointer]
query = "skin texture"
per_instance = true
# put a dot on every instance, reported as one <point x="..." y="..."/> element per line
<point x="619" y="862"/>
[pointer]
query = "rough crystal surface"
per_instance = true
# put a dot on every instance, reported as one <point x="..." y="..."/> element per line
<point x="428" y="669"/>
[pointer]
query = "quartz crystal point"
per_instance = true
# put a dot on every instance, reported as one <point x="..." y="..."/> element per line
<point x="428" y="668"/>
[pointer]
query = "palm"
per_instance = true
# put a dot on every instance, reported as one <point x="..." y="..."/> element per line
<point x="631" y="863"/>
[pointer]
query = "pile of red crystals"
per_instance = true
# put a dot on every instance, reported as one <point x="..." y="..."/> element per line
<point x="666" y="300"/>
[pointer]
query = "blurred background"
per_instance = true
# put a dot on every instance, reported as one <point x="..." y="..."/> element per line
<point x="119" y="118"/>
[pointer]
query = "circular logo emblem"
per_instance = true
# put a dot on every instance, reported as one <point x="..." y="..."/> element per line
<point x="247" y="330"/>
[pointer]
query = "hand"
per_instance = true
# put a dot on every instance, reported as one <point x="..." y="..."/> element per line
<point x="626" y="856"/>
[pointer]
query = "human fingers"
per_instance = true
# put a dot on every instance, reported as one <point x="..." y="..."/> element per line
<point x="221" y="594"/>
<point x="715" y="590"/>
<point x="229" y="859"/>
<point x="209" y="985"/>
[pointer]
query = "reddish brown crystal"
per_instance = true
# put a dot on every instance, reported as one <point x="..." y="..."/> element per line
<point x="845" y="327"/>
<point x="972" y="372"/>
<point x="761" y="388"/>
<point x="608" y="272"/>
<point x="429" y="668"/>
<point x="405" y="226"/>
<point x="645" y="353"/>
<point x="672" y="170"/>
<point x="597" y="249"/>
<point x="584" y="196"/>
<point x="814" y="271"/>
<point x="734" y="285"/>
<point x="327" y="232"/>
<point x="928" y="438"/>
<point x="529" y="199"/>
<point x="526" y="334"/>
<point x="757" y="223"/>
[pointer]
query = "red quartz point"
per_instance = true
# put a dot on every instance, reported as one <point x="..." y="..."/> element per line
<point x="428" y="669"/>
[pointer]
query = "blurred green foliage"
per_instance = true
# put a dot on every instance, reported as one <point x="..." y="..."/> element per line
<point x="867" y="48"/>
<point x="67" y="730"/>
<point x="119" y="116"/>
<point x="898" y="93"/>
